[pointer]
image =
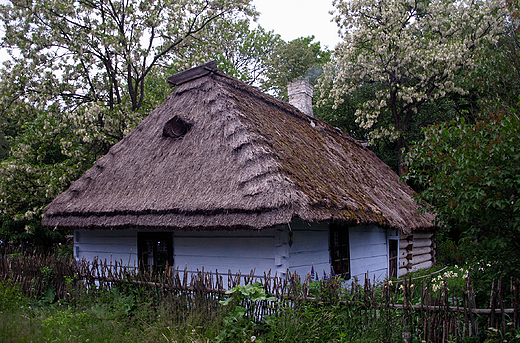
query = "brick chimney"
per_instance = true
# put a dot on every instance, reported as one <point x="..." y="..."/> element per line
<point x="300" y="96"/>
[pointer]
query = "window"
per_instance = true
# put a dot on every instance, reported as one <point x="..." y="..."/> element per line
<point x="175" y="128"/>
<point x="340" y="250"/>
<point x="392" y="257"/>
<point x="155" y="250"/>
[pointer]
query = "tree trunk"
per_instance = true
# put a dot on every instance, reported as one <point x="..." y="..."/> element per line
<point x="402" y="169"/>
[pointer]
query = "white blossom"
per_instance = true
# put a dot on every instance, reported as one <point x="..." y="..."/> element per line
<point x="413" y="49"/>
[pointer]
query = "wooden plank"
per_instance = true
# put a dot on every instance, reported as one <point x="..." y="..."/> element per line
<point x="104" y="240"/>
<point x="368" y="251"/>
<point x="370" y="265"/>
<point x="367" y="241"/>
<point x="406" y="238"/>
<point x="415" y="251"/>
<point x="258" y="247"/>
<point x="422" y="235"/>
<point x="366" y="235"/>
<point x="422" y="250"/>
<point x="108" y="248"/>
<point x="308" y="258"/>
<point x="309" y="240"/>
<point x="226" y="234"/>
<point x="417" y="259"/>
<point x="223" y="264"/>
<point x="106" y="233"/>
<point x="120" y="245"/>
<point x="423" y="265"/>
<point x="422" y="243"/>
<point x="226" y="250"/>
<point x="193" y="73"/>
<point x="404" y="263"/>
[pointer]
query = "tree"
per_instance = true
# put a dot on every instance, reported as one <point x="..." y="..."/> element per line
<point x="81" y="75"/>
<point x="45" y="159"/>
<point x="101" y="51"/>
<point x="471" y="175"/>
<point x="4" y="146"/>
<point x="299" y="58"/>
<point x="412" y="51"/>
<point x="496" y="77"/>
<point x="240" y="51"/>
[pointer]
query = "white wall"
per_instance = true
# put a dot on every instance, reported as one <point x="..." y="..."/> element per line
<point x="110" y="245"/>
<point x="265" y="250"/>
<point x="368" y="252"/>
<point x="225" y="250"/>
<point x="309" y="247"/>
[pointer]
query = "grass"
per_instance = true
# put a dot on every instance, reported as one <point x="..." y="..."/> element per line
<point x="107" y="317"/>
<point x="124" y="316"/>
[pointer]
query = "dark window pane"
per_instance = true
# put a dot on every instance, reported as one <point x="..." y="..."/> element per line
<point x="340" y="250"/>
<point x="155" y="250"/>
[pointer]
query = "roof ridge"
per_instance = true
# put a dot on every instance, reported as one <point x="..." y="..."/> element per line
<point x="193" y="73"/>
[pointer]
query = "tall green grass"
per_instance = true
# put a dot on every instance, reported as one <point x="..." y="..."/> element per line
<point x="132" y="315"/>
<point x="104" y="316"/>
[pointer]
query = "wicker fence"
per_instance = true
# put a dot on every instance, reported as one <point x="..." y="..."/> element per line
<point x="433" y="315"/>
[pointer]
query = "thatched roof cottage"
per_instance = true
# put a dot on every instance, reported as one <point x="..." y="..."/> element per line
<point x="224" y="176"/>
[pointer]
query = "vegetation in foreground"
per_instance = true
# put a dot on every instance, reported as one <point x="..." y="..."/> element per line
<point x="116" y="316"/>
<point x="339" y="313"/>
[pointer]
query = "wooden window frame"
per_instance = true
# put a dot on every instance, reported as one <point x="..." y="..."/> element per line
<point x="339" y="245"/>
<point x="393" y="257"/>
<point x="155" y="237"/>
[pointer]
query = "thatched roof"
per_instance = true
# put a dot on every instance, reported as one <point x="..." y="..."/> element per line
<point x="232" y="157"/>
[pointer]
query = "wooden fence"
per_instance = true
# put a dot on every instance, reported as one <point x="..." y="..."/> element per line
<point x="433" y="315"/>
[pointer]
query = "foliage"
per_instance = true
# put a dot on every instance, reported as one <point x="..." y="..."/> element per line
<point x="253" y="292"/>
<point x="470" y="174"/>
<point x="240" y="51"/>
<point x="124" y="311"/>
<point x="496" y="77"/>
<point x="92" y="51"/>
<point x="43" y="161"/>
<point x="300" y="58"/>
<point x="239" y="323"/>
<point x="453" y="277"/>
<point x="80" y="76"/>
<point x="411" y="50"/>
<point x="4" y="146"/>
<point x="116" y="315"/>
<point x="324" y="323"/>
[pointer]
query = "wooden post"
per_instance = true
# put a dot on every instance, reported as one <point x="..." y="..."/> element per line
<point x="492" y="305"/>
<point x="501" y="306"/>
<point x="516" y="315"/>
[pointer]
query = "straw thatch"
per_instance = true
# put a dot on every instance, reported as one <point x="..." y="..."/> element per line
<point x="232" y="157"/>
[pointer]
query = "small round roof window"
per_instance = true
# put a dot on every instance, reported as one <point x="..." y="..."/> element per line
<point x="175" y="128"/>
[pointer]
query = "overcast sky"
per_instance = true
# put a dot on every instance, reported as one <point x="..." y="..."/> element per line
<point x="299" y="18"/>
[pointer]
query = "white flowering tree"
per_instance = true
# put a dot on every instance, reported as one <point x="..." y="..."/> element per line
<point x="103" y="50"/>
<point x="410" y="50"/>
<point x="80" y="75"/>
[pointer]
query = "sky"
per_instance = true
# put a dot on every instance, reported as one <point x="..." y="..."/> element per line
<point x="299" y="18"/>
